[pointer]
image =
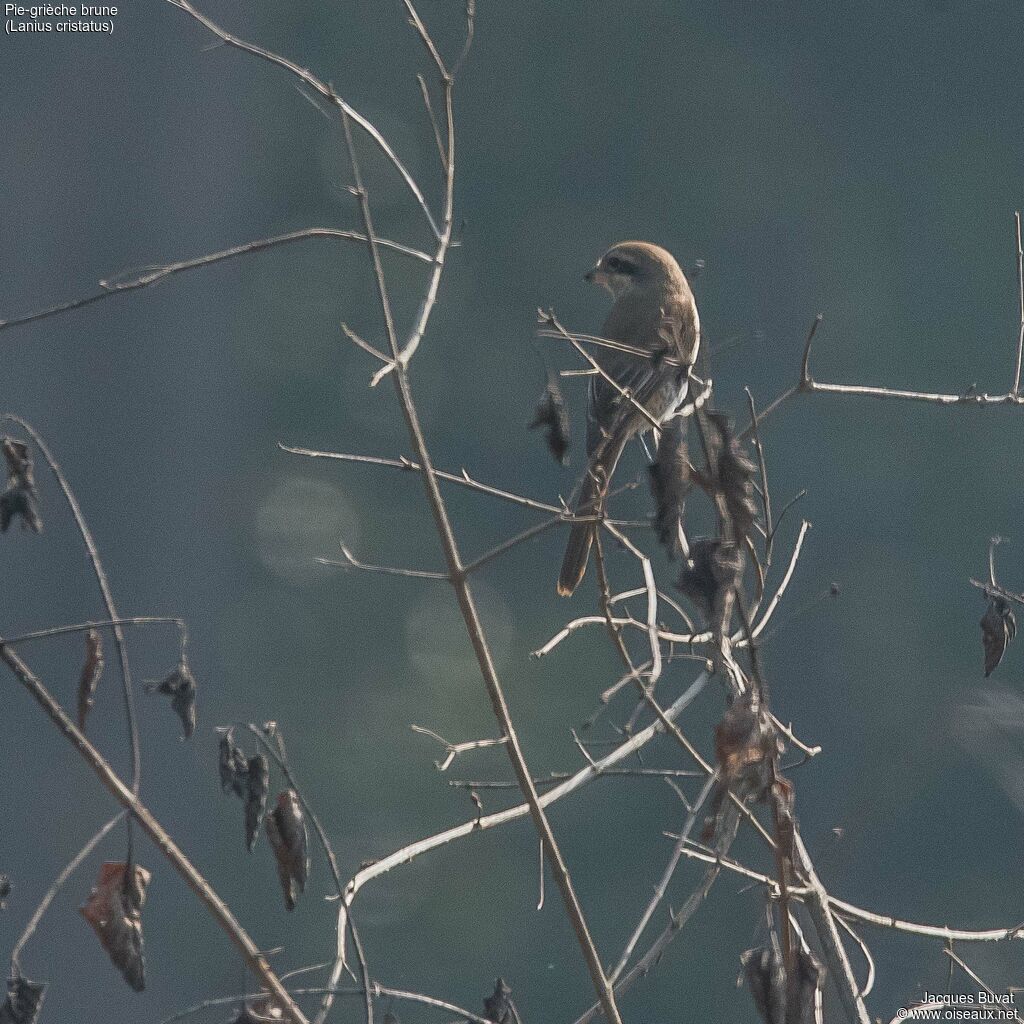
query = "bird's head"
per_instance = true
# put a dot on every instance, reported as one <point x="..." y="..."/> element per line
<point x="630" y="265"/>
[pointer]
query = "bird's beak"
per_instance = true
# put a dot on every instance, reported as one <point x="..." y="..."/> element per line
<point x="596" y="276"/>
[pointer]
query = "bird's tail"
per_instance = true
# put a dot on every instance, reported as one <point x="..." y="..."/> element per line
<point x="590" y="503"/>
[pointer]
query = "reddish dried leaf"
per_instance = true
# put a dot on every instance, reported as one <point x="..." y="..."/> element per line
<point x="114" y="909"/>
<point x="24" y="1001"/>
<point x="92" y="671"/>
<point x="286" y="830"/>
<point x="746" y="748"/>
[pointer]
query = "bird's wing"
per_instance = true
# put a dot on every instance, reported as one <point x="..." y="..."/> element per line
<point x="671" y="330"/>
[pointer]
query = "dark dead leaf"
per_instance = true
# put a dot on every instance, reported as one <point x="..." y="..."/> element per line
<point x="747" y="746"/>
<point x="180" y="686"/>
<point x="233" y="764"/>
<point x="670" y="484"/>
<point x="20" y="498"/>
<point x="5" y="891"/>
<point x="257" y="789"/>
<point x="733" y="472"/>
<point x="809" y="976"/>
<point x="998" y="628"/>
<point x="766" y="978"/>
<point x="710" y="577"/>
<point x="498" y="1006"/>
<point x="114" y="909"/>
<point x="92" y="672"/>
<point x="552" y="414"/>
<point x="24" y="1001"/>
<point x="286" y="830"/>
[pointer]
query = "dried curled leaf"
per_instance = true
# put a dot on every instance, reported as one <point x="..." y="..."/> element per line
<point x="92" y="672"/>
<point x="257" y="789"/>
<point x="765" y="975"/>
<point x="747" y="746"/>
<point x="733" y="472"/>
<point x="114" y="909"/>
<point x="778" y="999"/>
<point x="20" y="497"/>
<point x="710" y="577"/>
<point x="180" y="686"/>
<point x="24" y="1001"/>
<point x="804" y="987"/>
<point x="233" y="764"/>
<point x="998" y="628"/>
<point x="670" y="484"/>
<point x="286" y="830"/>
<point x="498" y="1006"/>
<point x="552" y="414"/>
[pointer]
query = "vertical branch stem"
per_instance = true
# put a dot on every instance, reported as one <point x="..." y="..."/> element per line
<point x="1020" y="303"/>
<point x="453" y="559"/>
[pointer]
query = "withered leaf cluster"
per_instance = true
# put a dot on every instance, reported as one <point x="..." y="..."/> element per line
<point x="733" y="473"/>
<point x="552" y="414"/>
<point x="669" y="476"/>
<point x="180" y="686"/>
<point x="92" y="672"/>
<point x="714" y="567"/>
<point x="286" y="830"/>
<point x="20" y="499"/>
<point x="778" y="999"/>
<point x="498" y="1007"/>
<point x="247" y="778"/>
<point x="24" y="1000"/>
<point x="998" y="628"/>
<point x="710" y="576"/>
<point x="747" y="746"/>
<point x="114" y="909"/>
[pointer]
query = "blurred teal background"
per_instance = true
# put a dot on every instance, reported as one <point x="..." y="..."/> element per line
<point x="862" y="160"/>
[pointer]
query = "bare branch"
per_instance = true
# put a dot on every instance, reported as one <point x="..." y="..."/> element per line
<point x="322" y="89"/>
<point x="112" y="286"/>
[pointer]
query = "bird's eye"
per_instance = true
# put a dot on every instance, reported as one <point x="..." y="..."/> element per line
<point x="620" y="266"/>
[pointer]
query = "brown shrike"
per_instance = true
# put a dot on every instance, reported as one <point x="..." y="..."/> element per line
<point x="653" y="311"/>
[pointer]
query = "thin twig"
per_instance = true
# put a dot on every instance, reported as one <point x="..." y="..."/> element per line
<point x="322" y="89"/>
<point x="662" y="887"/>
<point x="112" y="286"/>
<point x="1020" y="302"/>
<point x="351" y="562"/>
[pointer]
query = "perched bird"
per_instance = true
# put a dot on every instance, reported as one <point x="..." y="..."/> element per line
<point x="653" y="312"/>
